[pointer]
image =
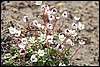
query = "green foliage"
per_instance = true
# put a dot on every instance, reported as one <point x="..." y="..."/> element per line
<point x="8" y="55"/>
<point x="68" y="53"/>
<point x="9" y="63"/>
<point x="29" y="51"/>
<point x="14" y="49"/>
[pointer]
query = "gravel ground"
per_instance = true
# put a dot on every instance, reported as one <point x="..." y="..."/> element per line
<point x="88" y="10"/>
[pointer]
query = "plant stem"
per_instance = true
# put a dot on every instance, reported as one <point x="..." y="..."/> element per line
<point x="16" y="61"/>
<point x="67" y="50"/>
<point x="75" y="53"/>
<point x="61" y="25"/>
<point x="78" y="20"/>
<point x="11" y="44"/>
<point x="17" y="42"/>
<point x="54" y="23"/>
<point x="28" y="26"/>
<point x="44" y="19"/>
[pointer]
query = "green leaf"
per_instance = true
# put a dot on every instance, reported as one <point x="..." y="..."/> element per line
<point x="50" y="60"/>
<point x="8" y="55"/>
<point x="14" y="49"/>
<point x="17" y="64"/>
<point x="29" y="51"/>
<point x="9" y="63"/>
<point x="52" y="51"/>
<point x="68" y="53"/>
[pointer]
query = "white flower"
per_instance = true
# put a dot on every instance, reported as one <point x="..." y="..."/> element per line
<point x="74" y="26"/>
<point x="50" y="38"/>
<point x="41" y="52"/>
<point x="24" y="40"/>
<point x="41" y="26"/>
<point x="60" y="64"/>
<point x="64" y="65"/>
<point x="21" y="45"/>
<point x="67" y="32"/>
<point x="14" y="56"/>
<point x="54" y="11"/>
<point x="44" y="7"/>
<point x="76" y="18"/>
<point x="32" y="40"/>
<point x="7" y="55"/>
<point x="69" y="41"/>
<point x="42" y="37"/>
<point x="60" y="47"/>
<point x="58" y="17"/>
<point x="48" y="12"/>
<point x="33" y="58"/>
<point x="73" y="44"/>
<point x="35" y="23"/>
<point x="38" y="2"/>
<point x="51" y="17"/>
<point x="81" y="42"/>
<point x="25" y="19"/>
<point x="12" y="30"/>
<point x="49" y="26"/>
<point x="64" y="14"/>
<point x="81" y="26"/>
<point x="73" y="33"/>
<point x="22" y="51"/>
<point x="61" y="37"/>
<point x="44" y="61"/>
<point x="17" y="33"/>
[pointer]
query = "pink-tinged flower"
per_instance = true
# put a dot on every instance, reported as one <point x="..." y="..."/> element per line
<point x="26" y="18"/>
<point x="35" y="23"/>
<point x="61" y="37"/>
<point x="48" y="12"/>
<point x="67" y="32"/>
<point x="17" y="33"/>
<point x="12" y="30"/>
<point x="69" y="41"/>
<point x="76" y="18"/>
<point x="81" y="42"/>
<point x="64" y="14"/>
<point x="74" y="26"/>
<point x="54" y="11"/>
<point x="33" y="58"/>
<point x="22" y="51"/>
<point x="49" y="26"/>
<point x="44" y="7"/>
<point x="60" y="47"/>
<point x="38" y="2"/>
<point x="50" y="38"/>
<point x="24" y="40"/>
<point x="51" y="17"/>
<point x="73" y="33"/>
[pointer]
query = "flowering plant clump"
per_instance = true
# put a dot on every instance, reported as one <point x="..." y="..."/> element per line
<point x="44" y="44"/>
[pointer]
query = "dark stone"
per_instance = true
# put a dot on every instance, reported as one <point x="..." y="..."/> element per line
<point x="78" y="58"/>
